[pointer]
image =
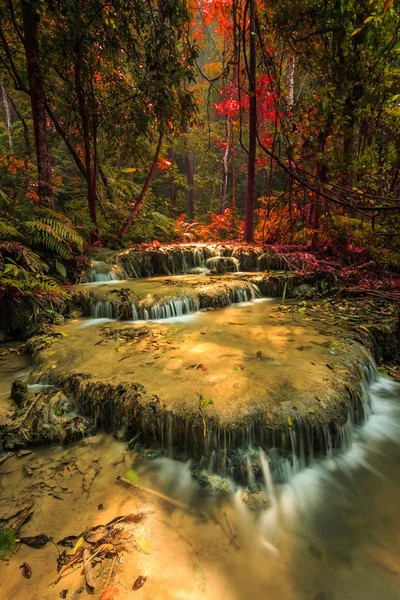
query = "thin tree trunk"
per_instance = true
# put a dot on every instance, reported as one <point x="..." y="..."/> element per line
<point x="139" y="201"/>
<point x="251" y="164"/>
<point x="8" y="116"/>
<point x="172" y="187"/>
<point x="90" y="176"/>
<point x="225" y="163"/>
<point x="27" y="142"/>
<point x="36" y="89"/>
<point x="189" y="174"/>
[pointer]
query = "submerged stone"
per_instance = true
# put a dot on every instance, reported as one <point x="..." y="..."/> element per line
<point x="19" y="392"/>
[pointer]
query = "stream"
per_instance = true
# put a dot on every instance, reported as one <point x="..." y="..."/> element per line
<point x="327" y="527"/>
<point x="331" y="532"/>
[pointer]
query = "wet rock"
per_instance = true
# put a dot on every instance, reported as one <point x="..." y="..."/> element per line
<point x="257" y="500"/>
<point x="304" y="291"/>
<point x="19" y="392"/>
<point x="213" y="484"/>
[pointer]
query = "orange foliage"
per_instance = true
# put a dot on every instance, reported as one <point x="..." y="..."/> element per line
<point x="224" y="226"/>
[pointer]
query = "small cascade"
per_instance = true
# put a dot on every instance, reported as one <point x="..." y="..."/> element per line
<point x="245" y="294"/>
<point x="101" y="272"/>
<point x="223" y="264"/>
<point x="135" y="316"/>
<point x="254" y="451"/>
<point x="198" y="257"/>
<point x="175" y="307"/>
<point x="102" y="309"/>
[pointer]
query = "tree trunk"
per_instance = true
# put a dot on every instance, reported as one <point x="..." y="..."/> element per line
<point x="90" y="175"/>
<point x="251" y="164"/>
<point x="36" y="89"/>
<point x="27" y="142"/>
<point x="172" y="187"/>
<point x="8" y="116"/>
<point x="225" y="163"/>
<point x="139" y="201"/>
<point x="189" y="174"/>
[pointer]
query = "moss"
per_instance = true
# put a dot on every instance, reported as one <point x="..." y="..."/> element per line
<point x="19" y="392"/>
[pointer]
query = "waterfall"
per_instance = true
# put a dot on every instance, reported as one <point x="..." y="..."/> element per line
<point x="176" y="307"/>
<point x="223" y="264"/>
<point x="102" y="309"/>
<point x="101" y="272"/>
<point x="253" y="451"/>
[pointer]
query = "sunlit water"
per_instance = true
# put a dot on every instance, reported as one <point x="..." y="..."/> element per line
<point x="331" y="532"/>
<point x="332" y="529"/>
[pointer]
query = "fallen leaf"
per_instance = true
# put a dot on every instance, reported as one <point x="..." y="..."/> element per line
<point x="141" y="580"/>
<point x="132" y="476"/>
<point x="78" y="543"/>
<point x="26" y="570"/>
<point x="290" y="422"/>
<point x="109" y="593"/>
<point x="36" y="541"/>
<point x="143" y="545"/>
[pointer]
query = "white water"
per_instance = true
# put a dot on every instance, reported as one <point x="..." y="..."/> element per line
<point x="315" y="488"/>
<point x="174" y="308"/>
<point x="102" y="273"/>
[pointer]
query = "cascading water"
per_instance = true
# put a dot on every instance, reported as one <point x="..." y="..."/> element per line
<point x="172" y="308"/>
<point x="238" y="452"/>
<point x="101" y="272"/>
<point x="175" y="307"/>
<point x="102" y="309"/>
<point x="223" y="264"/>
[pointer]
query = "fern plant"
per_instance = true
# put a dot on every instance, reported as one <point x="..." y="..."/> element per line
<point x="53" y="236"/>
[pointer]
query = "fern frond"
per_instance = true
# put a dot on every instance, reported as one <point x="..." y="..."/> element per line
<point x="42" y="235"/>
<point x="8" y="231"/>
<point x="66" y="232"/>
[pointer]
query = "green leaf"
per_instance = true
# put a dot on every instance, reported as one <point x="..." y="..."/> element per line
<point x="58" y="411"/>
<point x="143" y="545"/>
<point x="77" y="545"/>
<point x="205" y="402"/>
<point x="7" y="544"/>
<point x="132" y="476"/>
<point x="356" y="31"/>
<point x="61" y="269"/>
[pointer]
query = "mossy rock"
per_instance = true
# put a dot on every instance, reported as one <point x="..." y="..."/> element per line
<point x="19" y="392"/>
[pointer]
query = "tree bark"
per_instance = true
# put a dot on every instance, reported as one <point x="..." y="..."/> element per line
<point x="27" y="142"/>
<point x="251" y="164"/>
<point x="189" y="174"/>
<point x="172" y="187"/>
<point x="225" y="163"/>
<point x="8" y="116"/>
<point x="30" y="18"/>
<point x="84" y="116"/>
<point x="139" y="201"/>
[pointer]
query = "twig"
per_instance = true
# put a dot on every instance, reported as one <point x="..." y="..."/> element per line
<point x="110" y="572"/>
<point x="154" y="493"/>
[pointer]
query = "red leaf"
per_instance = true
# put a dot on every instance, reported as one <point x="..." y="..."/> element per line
<point x="109" y="593"/>
<point x="387" y="5"/>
